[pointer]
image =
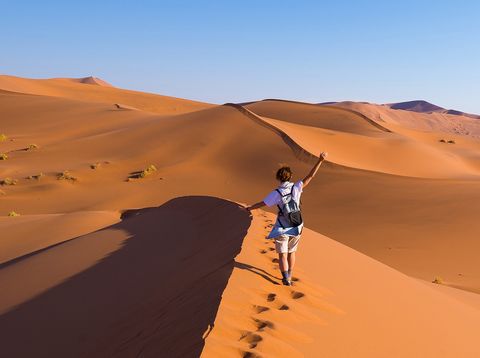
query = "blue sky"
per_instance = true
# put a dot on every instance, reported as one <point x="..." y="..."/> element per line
<point x="222" y="51"/>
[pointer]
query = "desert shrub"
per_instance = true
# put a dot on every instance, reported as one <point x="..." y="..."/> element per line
<point x="145" y="172"/>
<point x="36" y="176"/>
<point x="13" y="213"/>
<point x="438" y="280"/>
<point x="148" y="170"/>
<point x="3" y="156"/>
<point x="65" y="175"/>
<point x="8" y="181"/>
<point x="3" y="137"/>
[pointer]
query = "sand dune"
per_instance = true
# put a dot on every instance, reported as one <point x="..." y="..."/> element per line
<point x="91" y="80"/>
<point x="442" y="122"/>
<point x="426" y="107"/>
<point x="339" y="293"/>
<point x="393" y="219"/>
<point x="31" y="233"/>
<point x="102" y="92"/>
<point x="122" y="291"/>
<point x="390" y="190"/>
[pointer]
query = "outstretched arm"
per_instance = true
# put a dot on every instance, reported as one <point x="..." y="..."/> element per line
<point x="255" y="206"/>
<point x="314" y="170"/>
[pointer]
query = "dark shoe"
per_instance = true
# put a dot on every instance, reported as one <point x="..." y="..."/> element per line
<point x="286" y="282"/>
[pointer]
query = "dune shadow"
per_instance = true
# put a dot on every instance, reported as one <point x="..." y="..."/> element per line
<point x="156" y="296"/>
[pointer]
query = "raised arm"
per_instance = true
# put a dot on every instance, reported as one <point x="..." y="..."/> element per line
<point x="314" y="170"/>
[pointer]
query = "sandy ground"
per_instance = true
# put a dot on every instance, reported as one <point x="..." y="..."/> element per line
<point x="100" y="274"/>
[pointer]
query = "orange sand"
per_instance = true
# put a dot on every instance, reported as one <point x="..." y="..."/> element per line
<point x="76" y="280"/>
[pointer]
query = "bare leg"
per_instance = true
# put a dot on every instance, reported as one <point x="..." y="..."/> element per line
<point x="291" y="262"/>
<point x="283" y="262"/>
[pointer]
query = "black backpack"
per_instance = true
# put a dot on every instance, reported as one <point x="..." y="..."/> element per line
<point x="289" y="210"/>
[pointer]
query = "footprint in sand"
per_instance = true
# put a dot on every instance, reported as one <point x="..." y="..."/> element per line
<point x="296" y="295"/>
<point x="252" y="339"/>
<point x="275" y="261"/>
<point x="261" y="324"/>
<point x="271" y="249"/>
<point x="260" y="309"/>
<point x="250" y="355"/>
<point x="271" y="297"/>
<point x="263" y="251"/>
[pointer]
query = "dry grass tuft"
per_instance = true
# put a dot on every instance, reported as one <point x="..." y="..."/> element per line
<point x="36" y="176"/>
<point x="31" y="147"/>
<point x="65" y="175"/>
<point x="142" y="174"/>
<point x="438" y="280"/>
<point x="8" y="181"/>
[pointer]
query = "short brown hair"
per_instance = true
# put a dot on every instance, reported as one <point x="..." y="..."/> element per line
<point x="284" y="174"/>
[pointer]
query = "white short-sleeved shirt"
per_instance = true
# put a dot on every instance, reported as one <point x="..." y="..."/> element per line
<point x="274" y="198"/>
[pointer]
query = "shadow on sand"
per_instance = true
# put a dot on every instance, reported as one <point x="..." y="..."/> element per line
<point x="156" y="296"/>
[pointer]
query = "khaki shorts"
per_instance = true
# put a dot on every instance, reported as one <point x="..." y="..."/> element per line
<point x="286" y="243"/>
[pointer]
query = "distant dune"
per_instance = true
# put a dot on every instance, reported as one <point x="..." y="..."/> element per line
<point x="91" y="80"/>
<point x="442" y="120"/>
<point x="416" y="106"/>
<point x="122" y="232"/>
<point x="101" y="92"/>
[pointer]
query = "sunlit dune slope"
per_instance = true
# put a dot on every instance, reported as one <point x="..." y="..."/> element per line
<point x="99" y="92"/>
<point x="408" y="223"/>
<point x="354" y="142"/>
<point x="343" y="304"/>
<point x="30" y="233"/>
<point x="326" y="117"/>
<point x="445" y="123"/>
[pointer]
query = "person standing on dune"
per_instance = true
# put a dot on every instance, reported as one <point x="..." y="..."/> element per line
<point x="289" y="224"/>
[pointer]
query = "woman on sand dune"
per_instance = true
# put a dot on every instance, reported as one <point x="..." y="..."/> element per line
<point x="289" y="224"/>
